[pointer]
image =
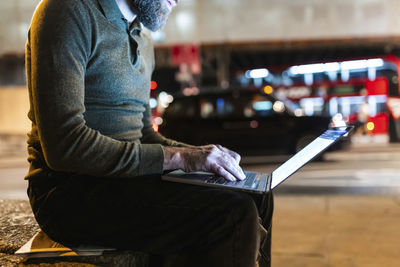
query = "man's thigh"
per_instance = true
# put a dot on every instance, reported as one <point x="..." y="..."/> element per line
<point x="142" y="213"/>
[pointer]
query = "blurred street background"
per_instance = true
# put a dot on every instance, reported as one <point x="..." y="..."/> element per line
<point x="264" y="77"/>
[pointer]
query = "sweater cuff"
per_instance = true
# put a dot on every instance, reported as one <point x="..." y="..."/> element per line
<point x="151" y="159"/>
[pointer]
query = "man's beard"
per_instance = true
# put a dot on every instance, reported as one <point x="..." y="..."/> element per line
<point x="153" y="14"/>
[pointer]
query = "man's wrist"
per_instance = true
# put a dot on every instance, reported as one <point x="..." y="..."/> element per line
<point x="172" y="158"/>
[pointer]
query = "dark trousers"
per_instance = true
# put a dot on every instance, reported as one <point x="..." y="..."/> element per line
<point x="193" y="225"/>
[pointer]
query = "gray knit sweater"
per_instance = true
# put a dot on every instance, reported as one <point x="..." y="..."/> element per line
<point x="89" y="82"/>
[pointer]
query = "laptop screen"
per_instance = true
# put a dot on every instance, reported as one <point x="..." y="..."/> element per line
<point x="305" y="155"/>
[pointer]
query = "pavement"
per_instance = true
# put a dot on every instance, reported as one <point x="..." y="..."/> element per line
<point x="340" y="227"/>
<point x="331" y="231"/>
<point x="17" y="226"/>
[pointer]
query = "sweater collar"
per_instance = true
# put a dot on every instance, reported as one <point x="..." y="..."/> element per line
<point x="115" y="16"/>
<point x="126" y="9"/>
<point x="112" y="13"/>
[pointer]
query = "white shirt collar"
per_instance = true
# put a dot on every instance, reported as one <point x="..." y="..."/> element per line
<point x="126" y="10"/>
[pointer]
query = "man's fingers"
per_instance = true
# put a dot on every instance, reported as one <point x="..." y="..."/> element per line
<point x="236" y="171"/>
<point x="231" y="166"/>
<point x="220" y="161"/>
<point x="229" y="163"/>
<point x="224" y="173"/>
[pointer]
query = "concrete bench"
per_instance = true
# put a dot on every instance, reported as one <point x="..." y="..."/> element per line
<point x="18" y="225"/>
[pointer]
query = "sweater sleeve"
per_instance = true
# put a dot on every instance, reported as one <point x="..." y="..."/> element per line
<point x="58" y="52"/>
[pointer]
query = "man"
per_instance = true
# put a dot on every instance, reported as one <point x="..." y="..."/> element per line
<point x="95" y="162"/>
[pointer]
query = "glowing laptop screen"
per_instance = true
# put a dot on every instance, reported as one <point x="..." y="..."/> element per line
<point x="305" y="155"/>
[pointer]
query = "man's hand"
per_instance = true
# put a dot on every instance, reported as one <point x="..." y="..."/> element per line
<point x="210" y="158"/>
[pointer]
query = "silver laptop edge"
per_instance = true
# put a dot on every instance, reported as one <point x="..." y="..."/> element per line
<point x="198" y="178"/>
<point x="305" y="155"/>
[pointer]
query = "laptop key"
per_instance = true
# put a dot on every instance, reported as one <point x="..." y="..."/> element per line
<point x="220" y="180"/>
<point x="216" y="180"/>
<point x="249" y="181"/>
<point x="255" y="184"/>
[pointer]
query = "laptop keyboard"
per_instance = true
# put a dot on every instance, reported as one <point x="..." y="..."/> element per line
<point x="250" y="182"/>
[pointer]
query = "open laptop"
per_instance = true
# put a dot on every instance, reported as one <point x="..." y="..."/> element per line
<point x="257" y="182"/>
